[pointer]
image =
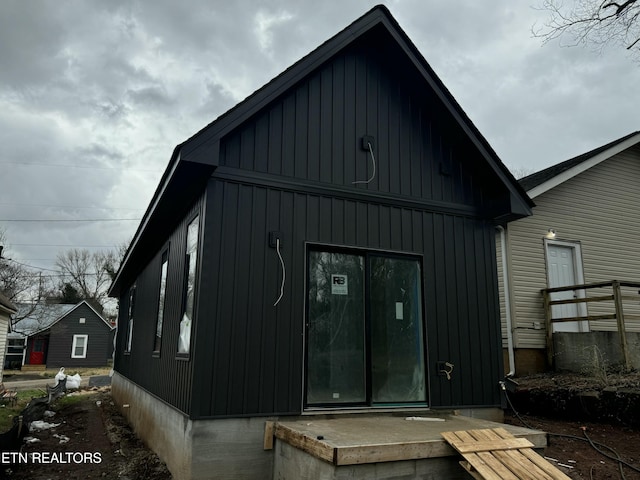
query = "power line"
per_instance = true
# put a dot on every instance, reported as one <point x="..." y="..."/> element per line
<point x="31" y="266"/>
<point x="71" y="220"/>
<point x="67" y="206"/>
<point x="93" y="167"/>
<point x="58" y="273"/>
<point x="58" y="245"/>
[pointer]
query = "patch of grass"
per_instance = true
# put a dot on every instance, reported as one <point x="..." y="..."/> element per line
<point x="51" y="372"/>
<point x="67" y="400"/>
<point x="7" y="412"/>
<point x="84" y="372"/>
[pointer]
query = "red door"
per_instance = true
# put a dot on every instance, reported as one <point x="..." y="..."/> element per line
<point x="38" y="349"/>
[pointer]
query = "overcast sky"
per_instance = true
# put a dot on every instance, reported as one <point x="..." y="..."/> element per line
<point x="94" y="95"/>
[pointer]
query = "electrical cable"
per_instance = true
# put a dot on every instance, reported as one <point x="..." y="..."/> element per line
<point x="617" y="458"/>
<point x="284" y="272"/>
<point x="70" y="220"/>
<point x="373" y="160"/>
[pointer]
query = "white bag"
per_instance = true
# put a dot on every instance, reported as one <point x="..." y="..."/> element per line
<point x="73" y="382"/>
<point x="59" y="376"/>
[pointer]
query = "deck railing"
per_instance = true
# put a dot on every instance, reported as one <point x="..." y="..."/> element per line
<point x="580" y="297"/>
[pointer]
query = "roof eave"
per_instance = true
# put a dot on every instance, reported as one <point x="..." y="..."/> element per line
<point x="583" y="166"/>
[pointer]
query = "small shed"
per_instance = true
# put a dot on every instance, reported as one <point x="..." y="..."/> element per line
<point x="57" y="335"/>
<point x="7" y="310"/>
<point x="327" y="245"/>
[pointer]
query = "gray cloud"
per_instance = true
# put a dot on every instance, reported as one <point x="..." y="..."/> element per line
<point x="111" y="87"/>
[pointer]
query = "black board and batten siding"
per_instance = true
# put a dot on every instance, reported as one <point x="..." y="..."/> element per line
<point x="314" y="132"/>
<point x="99" y="348"/>
<point x="167" y="375"/>
<point x="285" y="161"/>
<point x="290" y="169"/>
<point x="254" y="359"/>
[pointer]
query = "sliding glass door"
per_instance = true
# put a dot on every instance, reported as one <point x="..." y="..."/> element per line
<point x="336" y="329"/>
<point x="365" y="338"/>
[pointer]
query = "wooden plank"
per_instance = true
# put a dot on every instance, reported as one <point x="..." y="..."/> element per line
<point x="269" y="428"/>
<point x="312" y="446"/>
<point x="484" y="469"/>
<point x="518" y="458"/>
<point x="581" y="319"/>
<point x="520" y="466"/>
<point x="544" y="465"/>
<point x="486" y="465"/>
<point x="582" y="286"/>
<point x="502" y="463"/>
<point x="497" y="466"/>
<point x="548" y="328"/>
<point x="390" y="452"/>
<point x="622" y="330"/>
<point x="509" y="459"/>
<point x="487" y="445"/>
<point x="470" y="470"/>
<point x="601" y="298"/>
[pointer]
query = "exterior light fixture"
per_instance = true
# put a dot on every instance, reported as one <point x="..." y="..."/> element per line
<point x="551" y="234"/>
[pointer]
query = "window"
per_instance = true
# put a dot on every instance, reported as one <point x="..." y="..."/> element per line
<point x="364" y="330"/>
<point x="161" y="299"/>
<point x="191" y="261"/>
<point x="79" y="347"/>
<point x="132" y="300"/>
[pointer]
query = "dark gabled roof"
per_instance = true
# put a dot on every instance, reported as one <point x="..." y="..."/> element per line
<point x="194" y="160"/>
<point x="43" y="316"/>
<point x="601" y="153"/>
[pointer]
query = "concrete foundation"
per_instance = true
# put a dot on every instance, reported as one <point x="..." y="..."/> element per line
<point x="195" y="450"/>
<point x="235" y="448"/>
<point x="592" y="353"/>
<point x="292" y="464"/>
<point x="529" y="361"/>
<point x="163" y="429"/>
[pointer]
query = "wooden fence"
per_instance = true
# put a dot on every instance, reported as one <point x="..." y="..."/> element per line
<point x="581" y="297"/>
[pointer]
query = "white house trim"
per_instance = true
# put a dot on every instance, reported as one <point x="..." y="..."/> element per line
<point x="77" y="337"/>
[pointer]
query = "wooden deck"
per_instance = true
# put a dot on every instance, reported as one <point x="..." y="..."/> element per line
<point x="366" y="439"/>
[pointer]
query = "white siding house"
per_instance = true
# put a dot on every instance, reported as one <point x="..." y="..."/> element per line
<point x="7" y="309"/>
<point x="591" y="204"/>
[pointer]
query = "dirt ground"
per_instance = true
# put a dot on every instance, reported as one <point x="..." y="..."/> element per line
<point x="586" y="462"/>
<point x="100" y="445"/>
<point x="617" y="435"/>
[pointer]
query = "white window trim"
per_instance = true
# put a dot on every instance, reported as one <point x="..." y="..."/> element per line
<point x="75" y="343"/>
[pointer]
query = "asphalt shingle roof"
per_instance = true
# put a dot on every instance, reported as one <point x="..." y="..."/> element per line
<point x="531" y="181"/>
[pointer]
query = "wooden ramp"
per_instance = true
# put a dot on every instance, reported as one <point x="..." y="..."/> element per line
<point x="495" y="454"/>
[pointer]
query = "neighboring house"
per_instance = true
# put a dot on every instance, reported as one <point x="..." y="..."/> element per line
<point x="327" y="244"/>
<point x="61" y="335"/>
<point x="7" y="310"/>
<point x="585" y="229"/>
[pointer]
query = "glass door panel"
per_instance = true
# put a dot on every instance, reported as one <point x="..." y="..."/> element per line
<point x="336" y="356"/>
<point x="397" y="350"/>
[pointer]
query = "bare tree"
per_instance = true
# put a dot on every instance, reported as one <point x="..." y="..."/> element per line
<point x="88" y="273"/>
<point x="593" y="22"/>
<point x="20" y="283"/>
<point x="521" y="172"/>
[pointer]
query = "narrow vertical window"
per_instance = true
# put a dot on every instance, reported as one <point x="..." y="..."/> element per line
<point x="79" y="346"/>
<point x="163" y="290"/>
<point x="191" y="260"/>
<point x="132" y="299"/>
